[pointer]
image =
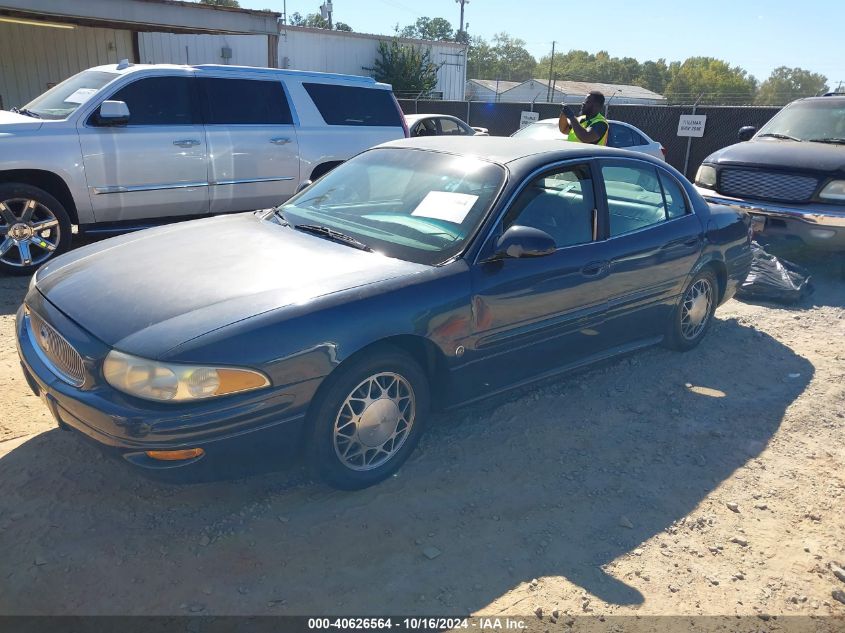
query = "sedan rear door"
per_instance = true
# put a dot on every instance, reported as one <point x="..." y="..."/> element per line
<point x="653" y="241"/>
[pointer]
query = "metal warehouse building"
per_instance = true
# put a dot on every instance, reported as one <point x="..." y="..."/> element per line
<point x="539" y="90"/>
<point x="42" y="42"/>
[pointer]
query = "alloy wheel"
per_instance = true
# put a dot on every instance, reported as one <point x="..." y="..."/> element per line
<point x="29" y="232"/>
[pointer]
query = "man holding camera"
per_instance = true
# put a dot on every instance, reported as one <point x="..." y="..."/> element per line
<point x="591" y="126"/>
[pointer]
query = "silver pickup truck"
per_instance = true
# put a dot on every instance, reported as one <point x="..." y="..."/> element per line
<point x="122" y="147"/>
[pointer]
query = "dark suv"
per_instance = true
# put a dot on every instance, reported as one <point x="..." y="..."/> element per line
<point x="789" y="176"/>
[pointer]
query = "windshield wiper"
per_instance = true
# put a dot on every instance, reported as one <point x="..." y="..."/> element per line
<point x="778" y="135"/>
<point x="833" y="140"/>
<point x="281" y="216"/>
<point x="336" y="236"/>
<point x="26" y="112"/>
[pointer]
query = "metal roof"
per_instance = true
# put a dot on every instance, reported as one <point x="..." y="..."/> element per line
<point x="495" y="86"/>
<point x="584" y="87"/>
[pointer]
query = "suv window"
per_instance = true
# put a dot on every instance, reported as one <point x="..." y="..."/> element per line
<point x="634" y="197"/>
<point x="158" y="101"/>
<point x="351" y="105"/>
<point x="257" y="102"/>
<point x="560" y="203"/>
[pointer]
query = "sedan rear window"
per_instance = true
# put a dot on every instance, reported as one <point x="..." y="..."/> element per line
<point x="353" y="105"/>
<point x="409" y="204"/>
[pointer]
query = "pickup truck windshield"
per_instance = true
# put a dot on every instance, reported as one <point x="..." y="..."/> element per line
<point x="819" y="120"/>
<point x="60" y="101"/>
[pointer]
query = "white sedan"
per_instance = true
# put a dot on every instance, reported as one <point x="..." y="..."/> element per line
<point x="622" y="135"/>
<point x="440" y="125"/>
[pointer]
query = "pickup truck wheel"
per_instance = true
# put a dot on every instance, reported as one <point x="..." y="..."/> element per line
<point x="34" y="227"/>
<point x="369" y="419"/>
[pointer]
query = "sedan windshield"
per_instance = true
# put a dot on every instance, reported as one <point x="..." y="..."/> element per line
<point x="540" y="131"/>
<point x="410" y="204"/>
<point x="820" y="120"/>
<point x="60" y="101"/>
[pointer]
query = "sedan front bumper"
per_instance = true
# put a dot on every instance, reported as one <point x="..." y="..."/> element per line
<point x="819" y="226"/>
<point x="129" y="426"/>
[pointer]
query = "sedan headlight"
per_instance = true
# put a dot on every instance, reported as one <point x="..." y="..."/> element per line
<point x="706" y="176"/>
<point x="168" y="382"/>
<point x="834" y="190"/>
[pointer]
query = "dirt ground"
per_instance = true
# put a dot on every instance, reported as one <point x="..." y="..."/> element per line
<point x="710" y="482"/>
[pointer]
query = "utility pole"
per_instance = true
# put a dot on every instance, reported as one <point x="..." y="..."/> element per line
<point x="462" y="3"/>
<point x="551" y="68"/>
<point x="326" y="11"/>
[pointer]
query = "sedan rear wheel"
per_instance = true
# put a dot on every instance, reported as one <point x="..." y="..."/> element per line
<point x="368" y="419"/>
<point x="34" y="227"/>
<point x="694" y="313"/>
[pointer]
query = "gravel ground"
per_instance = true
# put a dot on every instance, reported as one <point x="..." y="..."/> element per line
<point x="709" y="482"/>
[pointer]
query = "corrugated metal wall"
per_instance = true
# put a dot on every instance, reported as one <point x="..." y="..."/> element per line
<point x="170" y="48"/>
<point x="336" y="52"/>
<point x="33" y="58"/>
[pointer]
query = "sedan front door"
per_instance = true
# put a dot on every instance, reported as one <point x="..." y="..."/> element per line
<point x="532" y="315"/>
<point x="156" y="165"/>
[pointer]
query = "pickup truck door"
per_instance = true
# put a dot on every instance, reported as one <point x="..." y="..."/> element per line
<point x="252" y="142"/>
<point x="156" y="165"/>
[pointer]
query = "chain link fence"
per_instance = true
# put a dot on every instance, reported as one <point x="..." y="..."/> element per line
<point x="657" y="121"/>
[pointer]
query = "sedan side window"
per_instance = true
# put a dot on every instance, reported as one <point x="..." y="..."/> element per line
<point x="159" y="101"/>
<point x="676" y="202"/>
<point x="620" y="136"/>
<point x="450" y="128"/>
<point x="634" y="198"/>
<point x="561" y="203"/>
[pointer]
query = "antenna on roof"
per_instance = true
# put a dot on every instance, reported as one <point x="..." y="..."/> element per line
<point x="123" y="64"/>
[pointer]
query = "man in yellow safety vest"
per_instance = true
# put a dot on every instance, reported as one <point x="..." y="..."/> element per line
<point x="591" y="127"/>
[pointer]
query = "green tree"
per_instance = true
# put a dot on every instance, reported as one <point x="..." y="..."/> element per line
<point x="787" y="84"/>
<point x="653" y="75"/>
<point x="222" y="3"/>
<point x="506" y="59"/>
<point x="715" y="80"/>
<point x="408" y="69"/>
<point x="316" y="21"/>
<point x="429" y="29"/>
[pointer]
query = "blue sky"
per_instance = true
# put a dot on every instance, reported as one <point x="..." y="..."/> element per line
<point x="755" y="34"/>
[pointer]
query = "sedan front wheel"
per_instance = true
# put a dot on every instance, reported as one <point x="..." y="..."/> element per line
<point x="368" y="419"/>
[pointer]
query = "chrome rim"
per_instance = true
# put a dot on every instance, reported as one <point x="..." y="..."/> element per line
<point x="29" y="232"/>
<point x="695" y="310"/>
<point x="374" y="421"/>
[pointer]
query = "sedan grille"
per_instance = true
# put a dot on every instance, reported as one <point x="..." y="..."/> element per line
<point x="62" y="359"/>
<point x="750" y="183"/>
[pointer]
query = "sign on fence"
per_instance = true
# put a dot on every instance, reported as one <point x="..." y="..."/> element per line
<point x="692" y="125"/>
<point x="527" y="118"/>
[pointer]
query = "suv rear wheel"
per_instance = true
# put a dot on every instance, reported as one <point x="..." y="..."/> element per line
<point x="34" y="227"/>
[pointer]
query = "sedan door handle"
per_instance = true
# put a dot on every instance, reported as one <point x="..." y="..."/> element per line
<point x="282" y="140"/>
<point x="186" y="142"/>
<point x="594" y="269"/>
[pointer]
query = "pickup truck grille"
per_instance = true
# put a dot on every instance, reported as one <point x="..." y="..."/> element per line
<point x="751" y="183"/>
<point x="61" y="358"/>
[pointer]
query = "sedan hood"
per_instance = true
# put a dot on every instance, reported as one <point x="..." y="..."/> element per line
<point x="147" y="292"/>
<point x="13" y="122"/>
<point x="783" y="154"/>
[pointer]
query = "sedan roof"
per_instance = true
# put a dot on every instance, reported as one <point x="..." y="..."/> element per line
<point x="504" y="149"/>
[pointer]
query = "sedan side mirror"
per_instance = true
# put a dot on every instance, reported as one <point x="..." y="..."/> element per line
<point x="524" y="241"/>
<point x="114" y="113"/>
<point x="745" y="133"/>
<point x="304" y="185"/>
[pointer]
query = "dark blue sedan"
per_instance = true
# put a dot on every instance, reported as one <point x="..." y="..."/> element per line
<point x="422" y="273"/>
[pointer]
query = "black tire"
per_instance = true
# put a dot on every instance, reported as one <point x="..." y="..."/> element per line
<point x="41" y="246"/>
<point x="683" y="332"/>
<point x="331" y="407"/>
